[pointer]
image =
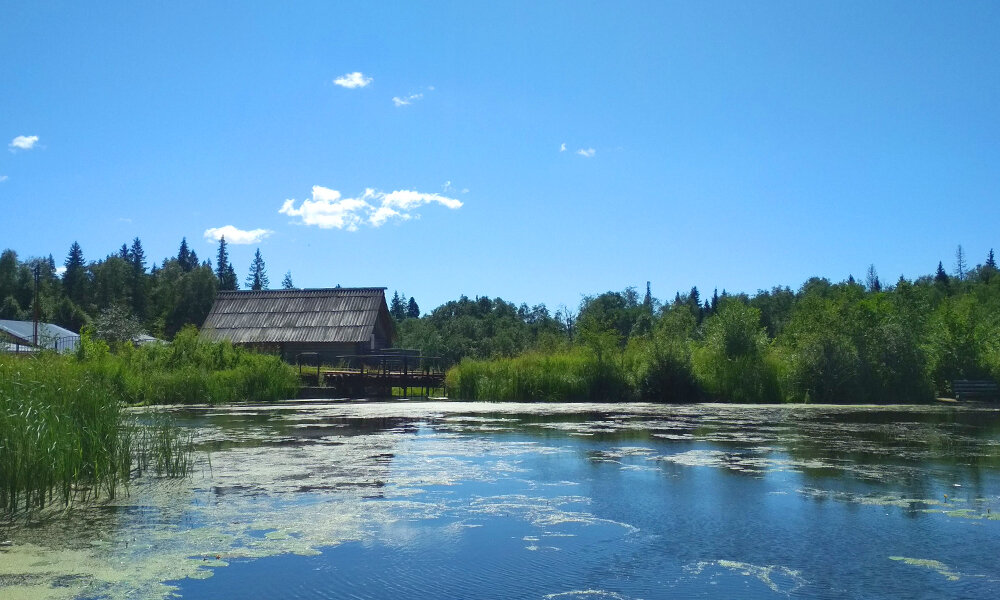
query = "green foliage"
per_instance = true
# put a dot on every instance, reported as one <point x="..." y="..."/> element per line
<point x="117" y="325"/>
<point x="575" y="375"/>
<point x="732" y="362"/>
<point x="65" y="434"/>
<point x="194" y="370"/>
<point x="478" y="328"/>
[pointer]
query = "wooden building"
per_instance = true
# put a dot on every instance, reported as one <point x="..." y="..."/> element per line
<point x="330" y="322"/>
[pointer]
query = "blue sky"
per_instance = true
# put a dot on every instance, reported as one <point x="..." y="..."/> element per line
<point x="534" y="151"/>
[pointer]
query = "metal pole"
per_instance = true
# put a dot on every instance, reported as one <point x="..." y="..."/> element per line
<point x="37" y="309"/>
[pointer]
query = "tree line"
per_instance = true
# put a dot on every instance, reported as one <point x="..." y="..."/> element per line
<point x="118" y="292"/>
<point x="825" y="342"/>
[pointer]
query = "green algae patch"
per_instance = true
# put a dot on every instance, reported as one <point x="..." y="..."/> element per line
<point x="927" y="563"/>
<point x="966" y="513"/>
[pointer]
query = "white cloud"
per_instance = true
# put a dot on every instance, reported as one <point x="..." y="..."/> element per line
<point x="407" y="100"/>
<point x="562" y="147"/>
<point x="328" y="209"/>
<point x="586" y="152"/>
<point x="236" y="236"/>
<point x="60" y="271"/>
<point x="23" y="142"/>
<point x="353" y="80"/>
<point x="3" y="178"/>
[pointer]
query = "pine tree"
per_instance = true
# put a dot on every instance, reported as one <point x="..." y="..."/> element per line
<point x="647" y="300"/>
<point x="412" y="310"/>
<point x="989" y="270"/>
<point x="184" y="255"/>
<point x="286" y="283"/>
<point x="694" y="302"/>
<point x="397" y="307"/>
<point x="123" y="252"/>
<point x="715" y="300"/>
<point x="257" y="278"/>
<point x="224" y="269"/>
<point x="137" y="258"/>
<point x="75" y="277"/>
<point x="941" y="277"/>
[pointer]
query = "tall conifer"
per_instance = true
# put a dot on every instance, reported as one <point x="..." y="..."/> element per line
<point x="224" y="269"/>
<point x="75" y="277"/>
<point x="257" y="278"/>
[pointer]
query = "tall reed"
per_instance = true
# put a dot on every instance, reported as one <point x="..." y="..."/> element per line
<point x="65" y="435"/>
<point x="575" y="375"/>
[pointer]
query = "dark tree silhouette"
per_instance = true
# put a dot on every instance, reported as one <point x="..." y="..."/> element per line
<point x="257" y="278"/>
<point x="75" y="277"/>
<point x="224" y="271"/>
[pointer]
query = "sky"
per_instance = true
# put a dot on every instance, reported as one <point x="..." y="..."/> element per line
<point x="536" y="151"/>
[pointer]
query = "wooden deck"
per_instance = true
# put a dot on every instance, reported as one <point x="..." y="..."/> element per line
<point x="354" y="384"/>
<point x="372" y="376"/>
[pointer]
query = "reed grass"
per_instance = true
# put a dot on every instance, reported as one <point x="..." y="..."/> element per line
<point x="66" y="433"/>
<point x="569" y="376"/>
<point x="65" y="436"/>
<point x="190" y="370"/>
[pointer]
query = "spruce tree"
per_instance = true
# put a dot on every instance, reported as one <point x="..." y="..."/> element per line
<point x="257" y="278"/>
<point x="412" y="310"/>
<point x="286" y="283"/>
<point x="224" y="269"/>
<point x="694" y="302"/>
<point x="137" y="258"/>
<point x="397" y="307"/>
<point x="184" y="255"/>
<point x="989" y="270"/>
<point x="75" y="277"/>
<point x="941" y="278"/>
<point x="123" y="252"/>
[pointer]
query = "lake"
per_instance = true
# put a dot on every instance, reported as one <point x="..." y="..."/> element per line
<point x="431" y="500"/>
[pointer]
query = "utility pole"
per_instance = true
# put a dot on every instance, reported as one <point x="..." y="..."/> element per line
<point x="37" y="309"/>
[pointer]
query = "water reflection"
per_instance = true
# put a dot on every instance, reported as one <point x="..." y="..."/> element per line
<point x="572" y="500"/>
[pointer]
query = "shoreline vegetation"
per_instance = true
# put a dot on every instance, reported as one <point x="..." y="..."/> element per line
<point x="66" y="434"/>
<point x="825" y="343"/>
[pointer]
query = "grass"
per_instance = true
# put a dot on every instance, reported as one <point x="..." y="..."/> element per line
<point x="190" y="370"/>
<point x="573" y="375"/>
<point x="66" y="433"/>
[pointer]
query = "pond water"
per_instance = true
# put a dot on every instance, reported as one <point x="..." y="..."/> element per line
<point x="562" y="501"/>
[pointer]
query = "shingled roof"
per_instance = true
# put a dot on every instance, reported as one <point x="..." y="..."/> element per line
<point x="334" y="315"/>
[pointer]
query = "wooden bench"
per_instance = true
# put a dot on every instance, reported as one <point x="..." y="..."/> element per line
<point x="971" y="389"/>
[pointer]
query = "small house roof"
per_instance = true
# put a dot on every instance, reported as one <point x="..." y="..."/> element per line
<point x="50" y="336"/>
<point x="330" y="315"/>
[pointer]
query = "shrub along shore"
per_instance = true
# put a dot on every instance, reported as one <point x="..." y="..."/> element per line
<point x="838" y="344"/>
<point x="66" y="433"/>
